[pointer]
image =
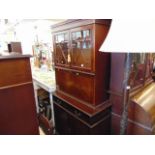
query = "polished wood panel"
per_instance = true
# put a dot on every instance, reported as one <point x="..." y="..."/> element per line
<point x="75" y="84"/>
<point x="88" y="109"/>
<point x="14" y="71"/>
<point x="18" y="110"/>
<point x="73" y="23"/>
<point x="145" y="99"/>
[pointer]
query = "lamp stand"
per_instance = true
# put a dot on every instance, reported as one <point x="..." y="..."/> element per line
<point x="126" y="90"/>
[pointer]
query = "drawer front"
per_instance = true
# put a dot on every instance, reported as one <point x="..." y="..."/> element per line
<point x="76" y="84"/>
<point x="15" y="71"/>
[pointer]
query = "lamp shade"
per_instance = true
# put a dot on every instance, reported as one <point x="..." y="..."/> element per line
<point x="135" y="36"/>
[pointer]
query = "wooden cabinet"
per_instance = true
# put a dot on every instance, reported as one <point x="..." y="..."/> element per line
<point x="82" y="72"/>
<point x="15" y="47"/>
<point x="17" y="105"/>
<point x="141" y="111"/>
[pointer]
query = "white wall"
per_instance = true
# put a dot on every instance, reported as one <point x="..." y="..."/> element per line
<point x="25" y="34"/>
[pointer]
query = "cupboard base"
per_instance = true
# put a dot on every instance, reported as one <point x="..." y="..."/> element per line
<point x="72" y="121"/>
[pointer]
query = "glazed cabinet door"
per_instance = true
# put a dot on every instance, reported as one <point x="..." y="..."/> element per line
<point x="82" y="48"/>
<point x="149" y="66"/>
<point x="61" y="48"/>
<point x="137" y="70"/>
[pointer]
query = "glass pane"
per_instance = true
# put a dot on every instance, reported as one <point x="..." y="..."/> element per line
<point x="149" y="67"/>
<point x="61" y="43"/>
<point x="137" y="69"/>
<point x="81" y="48"/>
